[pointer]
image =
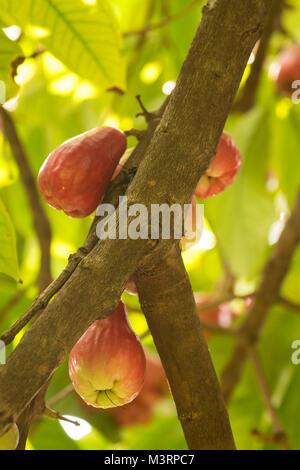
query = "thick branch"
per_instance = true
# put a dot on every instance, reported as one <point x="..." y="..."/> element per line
<point x="267" y="294"/>
<point x="182" y="147"/>
<point x="168" y="303"/>
<point x="40" y="219"/>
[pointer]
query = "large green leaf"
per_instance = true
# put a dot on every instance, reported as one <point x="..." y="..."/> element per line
<point x="9" y="51"/>
<point x="241" y="216"/>
<point x="8" y="252"/>
<point x="86" y="39"/>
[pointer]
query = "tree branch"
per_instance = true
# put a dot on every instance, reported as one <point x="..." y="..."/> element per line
<point x="246" y="100"/>
<point x="279" y="434"/>
<point x="267" y="295"/>
<point x="289" y="304"/>
<point x="40" y="219"/>
<point x="116" y="188"/>
<point x="168" y="303"/>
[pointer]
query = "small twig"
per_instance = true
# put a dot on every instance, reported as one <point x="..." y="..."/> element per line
<point x="246" y="99"/>
<point x="138" y="133"/>
<point x="278" y="435"/>
<point x="60" y="396"/>
<point x="163" y="22"/>
<point x="145" y="113"/>
<point x="270" y="439"/>
<point x="51" y="414"/>
<point x="289" y="304"/>
<point x="221" y="330"/>
<point x="44" y="298"/>
<point x="40" y="219"/>
<point x="222" y="300"/>
<point x="21" y="59"/>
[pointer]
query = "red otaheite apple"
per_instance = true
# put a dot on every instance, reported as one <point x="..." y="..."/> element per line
<point x="107" y="364"/>
<point x="286" y="69"/>
<point x="223" y="169"/>
<point x="75" y="176"/>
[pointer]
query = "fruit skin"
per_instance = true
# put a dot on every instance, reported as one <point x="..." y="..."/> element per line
<point x="10" y="440"/>
<point x="155" y="388"/>
<point x="76" y="174"/>
<point x="223" y="169"/>
<point x="107" y="364"/>
<point x="286" y="70"/>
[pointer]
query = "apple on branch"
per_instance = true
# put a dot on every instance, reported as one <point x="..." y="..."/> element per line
<point x="107" y="364"/>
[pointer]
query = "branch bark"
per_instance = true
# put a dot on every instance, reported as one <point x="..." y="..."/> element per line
<point x="167" y="300"/>
<point x="188" y="135"/>
<point x="267" y="295"/>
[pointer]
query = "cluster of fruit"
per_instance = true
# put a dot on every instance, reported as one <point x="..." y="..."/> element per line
<point x="75" y="175"/>
<point x="107" y="366"/>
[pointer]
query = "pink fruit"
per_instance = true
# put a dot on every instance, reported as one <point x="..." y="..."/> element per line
<point x="223" y="169"/>
<point x="286" y="69"/>
<point x="107" y="364"/>
<point x="75" y="176"/>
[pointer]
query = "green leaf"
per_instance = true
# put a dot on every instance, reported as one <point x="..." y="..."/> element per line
<point x="9" y="51"/>
<point x="85" y="39"/>
<point x="8" y="252"/>
<point x="241" y="216"/>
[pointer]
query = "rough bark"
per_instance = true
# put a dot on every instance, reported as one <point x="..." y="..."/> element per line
<point x="168" y="302"/>
<point x="181" y="149"/>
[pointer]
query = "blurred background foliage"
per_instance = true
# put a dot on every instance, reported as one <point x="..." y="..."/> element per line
<point x="74" y="51"/>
